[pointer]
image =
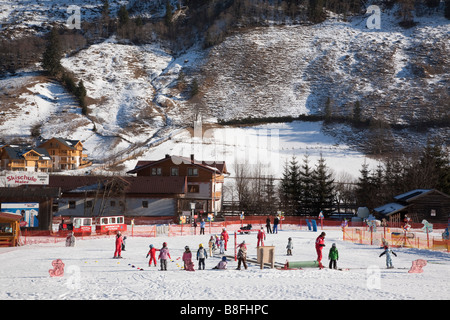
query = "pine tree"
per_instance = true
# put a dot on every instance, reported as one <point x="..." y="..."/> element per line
<point x="290" y="186"/>
<point x="51" y="60"/>
<point x="80" y="93"/>
<point x="169" y="14"/>
<point x="356" y="116"/>
<point x="123" y="15"/>
<point x="447" y="9"/>
<point x="364" y="188"/>
<point x="327" y="111"/>
<point x="323" y="188"/>
<point x="316" y="13"/>
<point x="307" y="187"/>
<point x="194" y="88"/>
<point x="436" y="160"/>
<point x="105" y="9"/>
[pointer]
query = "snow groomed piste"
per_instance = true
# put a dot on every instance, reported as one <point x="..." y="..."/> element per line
<point x="91" y="273"/>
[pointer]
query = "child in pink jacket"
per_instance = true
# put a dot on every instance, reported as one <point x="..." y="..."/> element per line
<point x="187" y="259"/>
<point x="163" y="256"/>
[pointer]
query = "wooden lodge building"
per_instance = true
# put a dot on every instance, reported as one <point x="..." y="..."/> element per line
<point x="419" y="204"/>
<point x="203" y="180"/>
<point x="161" y="189"/>
<point x="55" y="154"/>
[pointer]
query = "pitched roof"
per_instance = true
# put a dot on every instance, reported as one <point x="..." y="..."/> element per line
<point x="214" y="166"/>
<point x="67" y="142"/>
<point x="17" y="152"/>
<point x="5" y="216"/>
<point x="410" y="195"/>
<point x="134" y="185"/>
<point x="389" y="208"/>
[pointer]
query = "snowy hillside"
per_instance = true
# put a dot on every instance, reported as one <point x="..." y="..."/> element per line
<point x="135" y="103"/>
<point x="397" y="74"/>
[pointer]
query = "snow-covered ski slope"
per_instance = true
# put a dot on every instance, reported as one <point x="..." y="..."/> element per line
<point x="92" y="274"/>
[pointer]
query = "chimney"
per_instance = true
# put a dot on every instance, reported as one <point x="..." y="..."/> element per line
<point x="192" y="157"/>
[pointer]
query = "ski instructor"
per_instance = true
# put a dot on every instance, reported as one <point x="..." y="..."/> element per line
<point x="320" y="243"/>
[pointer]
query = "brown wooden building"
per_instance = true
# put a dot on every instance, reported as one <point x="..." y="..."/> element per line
<point x="24" y="158"/>
<point x="65" y="154"/>
<point x="419" y="204"/>
<point x="204" y="180"/>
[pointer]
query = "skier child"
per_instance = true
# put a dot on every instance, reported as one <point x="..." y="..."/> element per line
<point x="211" y="245"/>
<point x="119" y="242"/>
<point x="187" y="259"/>
<point x="163" y="255"/>
<point x="221" y="245"/>
<point x="152" y="254"/>
<point x="387" y="251"/>
<point x="222" y="265"/>
<point x="242" y="256"/>
<point x="261" y="237"/>
<point x="70" y="240"/>
<point x="333" y="256"/>
<point x="201" y="256"/>
<point x="289" y="247"/>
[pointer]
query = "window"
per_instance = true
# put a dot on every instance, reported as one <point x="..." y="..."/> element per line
<point x="193" y="188"/>
<point x="89" y="204"/>
<point x="72" y="204"/>
<point x="112" y="203"/>
<point x="156" y="171"/>
<point x="119" y="219"/>
<point x="112" y="220"/>
<point x="86" y="222"/>
<point x="192" y="172"/>
<point x="145" y="204"/>
<point x="174" y="171"/>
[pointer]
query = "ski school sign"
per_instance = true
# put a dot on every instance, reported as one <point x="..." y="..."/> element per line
<point x="23" y="177"/>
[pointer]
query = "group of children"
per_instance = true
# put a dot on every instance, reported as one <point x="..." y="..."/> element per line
<point x="220" y="243"/>
<point x="164" y="255"/>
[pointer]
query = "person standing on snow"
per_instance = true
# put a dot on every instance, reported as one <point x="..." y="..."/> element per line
<point x="269" y="229"/>
<point x="187" y="259"/>
<point x="221" y="245"/>
<point x="119" y="242"/>
<point x="333" y="256"/>
<point x="152" y="254"/>
<point x="261" y="237"/>
<point x="275" y="224"/>
<point x="242" y="256"/>
<point x="201" y="256"/>
<point x="289" y="247"/>
<point x="387" y="251"/>
<point x="225" y="236"/>
<point x="320" y="243"/>
<point x="163" y="256"/>
<point x="202" y="226"/>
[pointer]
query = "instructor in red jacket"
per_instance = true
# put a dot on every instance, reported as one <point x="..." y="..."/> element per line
<point x="320" y="243"/>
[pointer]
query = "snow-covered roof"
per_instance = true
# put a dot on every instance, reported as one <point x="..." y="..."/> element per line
<point x="390" y="208"/>
<point x="411" y="194"/>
